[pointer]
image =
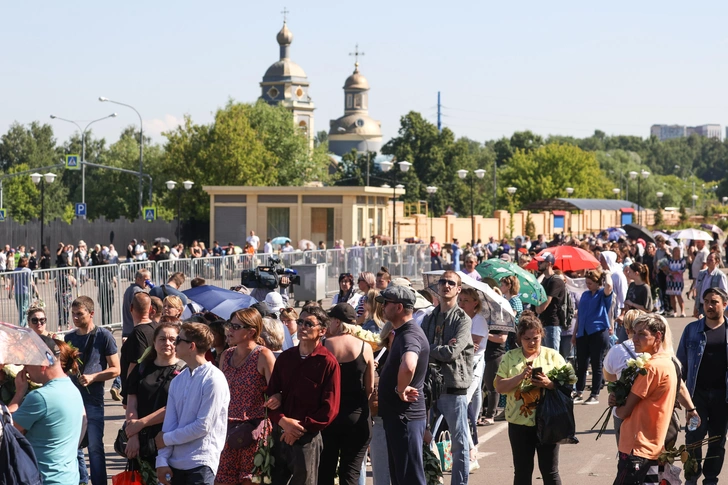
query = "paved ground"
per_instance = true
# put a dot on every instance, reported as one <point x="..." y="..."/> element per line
<point x="589" y="462"/>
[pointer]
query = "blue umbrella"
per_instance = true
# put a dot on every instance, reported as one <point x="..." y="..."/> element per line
<point x="615" y="233"/>
<point x="280" y="240"/>
<point x="219" y="301"/>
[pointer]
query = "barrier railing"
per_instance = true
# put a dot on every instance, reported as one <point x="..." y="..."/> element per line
<point x="55" y="289"/>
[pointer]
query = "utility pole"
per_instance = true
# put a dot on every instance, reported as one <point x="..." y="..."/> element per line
<point x="439" y="114"/>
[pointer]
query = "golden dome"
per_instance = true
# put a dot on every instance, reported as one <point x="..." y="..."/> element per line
<point x="284" y="37"/>
<point x="356" y="80"/>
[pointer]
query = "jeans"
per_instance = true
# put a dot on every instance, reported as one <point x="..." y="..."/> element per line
<point x="436" y="262"/>
<point x="491" y="368"/>
<point x="378" y="454"/>
<point x="297" y="464"/>
<point x="523" y="445"/>
<point x="22" y="301"/>
<point x="404" y="448"/>
<point x="475" y="402"/>
<point x="96" y="454"/>
<point x="454" y="408"/>
<point x="565" y="347"/>
<point x="552" y="339"/>
<point x="590" y="348"/>
<point x="201" y="475"/>
<point x="713" y="412"/>
<point x="345" y="443"/>
<point x="632" y="470"/>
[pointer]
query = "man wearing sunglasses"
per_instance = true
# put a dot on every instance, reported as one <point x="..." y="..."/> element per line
<point x="195" y="423"/>
<point x="304" y="392"/>
<point x="401" y="388"/>
<point x="451" y="345"/>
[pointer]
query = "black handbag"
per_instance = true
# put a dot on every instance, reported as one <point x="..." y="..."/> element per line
<point x="244" y="434"/>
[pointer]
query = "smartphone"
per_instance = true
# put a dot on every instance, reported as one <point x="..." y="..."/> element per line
<point x="536" y="371"/>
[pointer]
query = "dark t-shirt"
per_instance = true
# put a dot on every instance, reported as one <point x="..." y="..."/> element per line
<point x="151" y="388"/>
<point x="104" y="345"/>
<point x="640" y="294"/>
<point x="409" y="338"/>
<point x="163" y="291"/>
<point x="556" y="289"/>
<point x="134" y="347"/>
<point x="711" y="374"/>
<point x="493" y="350"/>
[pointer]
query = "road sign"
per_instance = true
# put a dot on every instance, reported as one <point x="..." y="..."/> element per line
<point x="3" y="214"/>
<point x="73" y="162"/>
<point x="150" y="214"/>
<point x="80" y="209"/>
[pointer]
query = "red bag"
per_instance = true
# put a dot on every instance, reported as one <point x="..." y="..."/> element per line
<point x="128" y="477"/>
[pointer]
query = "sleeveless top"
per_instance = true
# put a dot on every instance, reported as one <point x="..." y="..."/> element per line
<point x="247" y="386"/>
<point x="353" y="395"/>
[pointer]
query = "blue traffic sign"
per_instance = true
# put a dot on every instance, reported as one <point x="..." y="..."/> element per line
<point x="3" y="214"/>
<point x="80" y="209"/>
<point x="73" y="162"/>
<point x="150" y="214"/>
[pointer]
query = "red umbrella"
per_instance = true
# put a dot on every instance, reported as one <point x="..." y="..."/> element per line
<point x="568" y="258"/>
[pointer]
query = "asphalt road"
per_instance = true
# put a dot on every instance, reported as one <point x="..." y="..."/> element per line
<point x="589" y="462"/>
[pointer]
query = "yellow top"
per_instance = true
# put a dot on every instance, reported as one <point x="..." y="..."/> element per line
<point x="521" y="402"/>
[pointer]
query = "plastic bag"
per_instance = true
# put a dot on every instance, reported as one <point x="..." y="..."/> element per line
<point x="555" y="419"/>
<point x="128" y="477"/>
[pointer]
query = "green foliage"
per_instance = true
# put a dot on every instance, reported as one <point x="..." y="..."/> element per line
<point x="545" y="173"/>
<point x="530" y="227"/>
<point x="683" y="214"/>
<point x="658" y="217"/>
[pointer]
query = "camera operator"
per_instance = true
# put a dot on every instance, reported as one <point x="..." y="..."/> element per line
<point x="269" y="279"/>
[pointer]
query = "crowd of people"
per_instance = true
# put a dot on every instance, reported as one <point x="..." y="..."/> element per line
<point x="277" y="395"/>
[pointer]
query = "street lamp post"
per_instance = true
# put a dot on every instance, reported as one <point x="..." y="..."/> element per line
<point x="725" y="199"/>
<point x="42" y="180"/>
<point x="431" y="190"/>
<point x="171" y="184"/>
<point x="386" y="166"/>
<point x="83" y="149"/>
<point x="569" y="192"/>
<point x="644" y="174"/>
<point x="616" y="191"/>
<point x="695" y="199"/>
<point x="480" y="173"/>
<point x="141" y="148"/>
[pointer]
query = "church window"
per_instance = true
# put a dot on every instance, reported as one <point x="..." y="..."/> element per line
<point x="303" y="126"/>
<point x="273" y="93"/>
<point x="357" y="101"/>
<point x="360" y="122"/>
<point x="348" y="101"/>
<point x="299" y="93"/>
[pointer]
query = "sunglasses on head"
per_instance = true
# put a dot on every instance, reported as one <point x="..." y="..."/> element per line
<point x="444" y="282"/>
<point x="306" y="323"/>
<point x="236" y="326"/>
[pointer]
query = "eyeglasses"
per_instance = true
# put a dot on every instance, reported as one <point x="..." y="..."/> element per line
<point x="444" y="282"/>
<point x="38" y="321"/>
<point x="236" y="326"/>
<point x="306" y="323"/>
<point x="180" y="339"/>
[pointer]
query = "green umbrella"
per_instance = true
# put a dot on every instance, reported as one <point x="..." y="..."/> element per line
<point x="531" y="290"/>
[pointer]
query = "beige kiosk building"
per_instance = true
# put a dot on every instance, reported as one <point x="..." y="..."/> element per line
<point x="314" y="213"/>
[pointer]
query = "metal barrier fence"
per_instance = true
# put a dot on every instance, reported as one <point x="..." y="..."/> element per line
<point x="55" y="289"/>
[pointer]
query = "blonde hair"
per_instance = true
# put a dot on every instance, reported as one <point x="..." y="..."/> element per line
<point x="175" y="302"/>
<point x="376" y="309"/>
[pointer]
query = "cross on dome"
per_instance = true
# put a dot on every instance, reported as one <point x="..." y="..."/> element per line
<point x="285" y="13"/>
<point x="356" y="55"/>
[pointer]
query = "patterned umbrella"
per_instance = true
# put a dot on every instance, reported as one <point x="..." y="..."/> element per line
<point x="530" y="291"/>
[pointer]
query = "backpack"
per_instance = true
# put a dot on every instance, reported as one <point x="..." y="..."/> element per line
<point x="18" y="465"/>
<point x="568" y="310"/>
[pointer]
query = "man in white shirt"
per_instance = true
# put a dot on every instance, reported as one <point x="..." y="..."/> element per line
<point x="253" y="240"/>
<point x="699" y="263"/>
<point x="195" y="424"/>
<point x="268" y="247"/>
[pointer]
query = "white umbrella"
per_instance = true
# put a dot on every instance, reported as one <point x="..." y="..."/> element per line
<point x="495" y="309"/>
<point x="693" y="235"/>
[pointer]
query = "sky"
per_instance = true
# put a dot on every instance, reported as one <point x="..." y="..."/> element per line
<point x="566" y="67"/>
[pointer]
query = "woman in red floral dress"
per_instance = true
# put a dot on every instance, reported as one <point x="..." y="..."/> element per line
<point x="247" y="364"/>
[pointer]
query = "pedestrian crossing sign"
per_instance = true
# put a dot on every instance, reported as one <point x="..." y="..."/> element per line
<point x="150" y="214"/>
<point x="73" y="162"/>
<point x="2" y="215"/>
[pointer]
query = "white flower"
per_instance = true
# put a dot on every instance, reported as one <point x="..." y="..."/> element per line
<point x="255" y="479"/>
<point x="631" y="363"/>
<point x="266" y="479"/>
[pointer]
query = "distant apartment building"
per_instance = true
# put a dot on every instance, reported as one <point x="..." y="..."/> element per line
<point x="668" y="132"/>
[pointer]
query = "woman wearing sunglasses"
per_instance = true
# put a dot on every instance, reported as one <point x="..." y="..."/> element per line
<point x="38" y="322"/>
<point x="247" y="365"/>
<point x="347" y="293"/>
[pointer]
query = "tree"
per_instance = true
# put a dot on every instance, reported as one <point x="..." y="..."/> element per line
<point x="545" y="173"/>
<point x="33" y="145"/>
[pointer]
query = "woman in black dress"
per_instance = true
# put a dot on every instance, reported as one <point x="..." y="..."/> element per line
<point x="147" y="399"/>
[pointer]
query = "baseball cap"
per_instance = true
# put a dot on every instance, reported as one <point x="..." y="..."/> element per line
<point x="545" y="256"/>
<point x="343" y="312"/>
<point x="274" y="302"/>
<point x="398" y="294"/>
<point x="402" y="282"/>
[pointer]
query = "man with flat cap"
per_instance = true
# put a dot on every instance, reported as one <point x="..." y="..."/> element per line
<point x="401" y="388"/>
<point x="51" y="417"/>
